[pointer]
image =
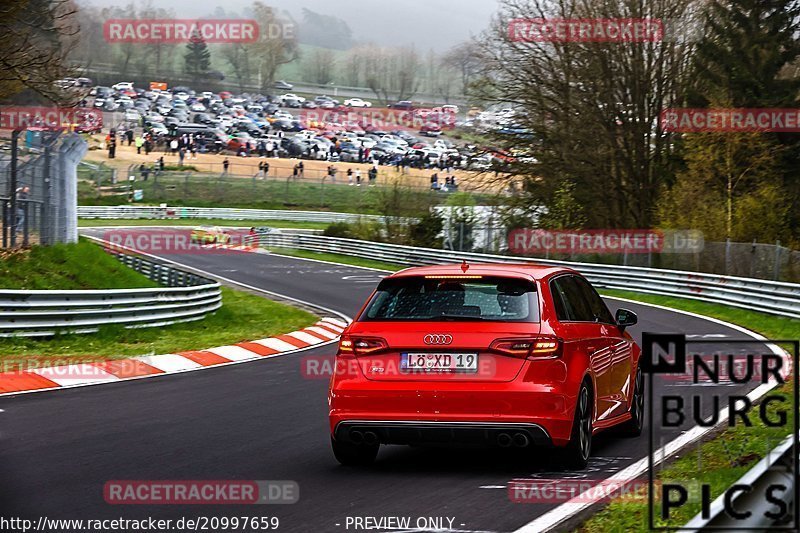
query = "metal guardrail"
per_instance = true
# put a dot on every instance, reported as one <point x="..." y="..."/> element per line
<point x="185" y="298"/>
<point x="774" y="469"/>
<point x="775" y="298"/>
<point x="161" y="213"/>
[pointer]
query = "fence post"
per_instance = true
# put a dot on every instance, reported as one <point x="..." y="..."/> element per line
<point x="727" y="255"/>
<point x="5" y="223"/>
<point x="12" y="185"/>
<point x="777" y="272"/>
<point x="25" y="222"/>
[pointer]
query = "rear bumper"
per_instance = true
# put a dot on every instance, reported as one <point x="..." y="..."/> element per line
<point x="422" y="432"/>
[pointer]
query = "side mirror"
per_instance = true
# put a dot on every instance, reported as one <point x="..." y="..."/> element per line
<point x="626" y="318"/>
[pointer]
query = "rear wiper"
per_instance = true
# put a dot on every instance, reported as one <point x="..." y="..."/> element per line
<point x="465" y="318"/>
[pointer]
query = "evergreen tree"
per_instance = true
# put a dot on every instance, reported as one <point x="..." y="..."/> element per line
<point x="741" y="62"/>
<point x="198" y="56"/>
<point x="746" y="46"/>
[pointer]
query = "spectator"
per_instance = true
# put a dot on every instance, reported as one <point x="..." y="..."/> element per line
<point x="225" y="165"/>
<point x="266" y="169"/>
<point x="112" y="147"/>
<point x="173" y="145"/>
<point x="252" y="238"/>
<point x="301" y="169"/>
<point x="181" y="155"/>
<point x="350" y="176"/>
<point x="139" y="143"/>
<point x="161" y="164"/>
<point x="435" y="181"/>
<point x="22" y="194"/>
<point x="129" y="135"/>
<point x="358" y="177"/>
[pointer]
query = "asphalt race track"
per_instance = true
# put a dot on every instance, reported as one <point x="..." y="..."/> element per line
<point x="265" y="421"/>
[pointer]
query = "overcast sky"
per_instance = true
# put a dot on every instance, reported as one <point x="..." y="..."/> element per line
<point x="437" y="24"/>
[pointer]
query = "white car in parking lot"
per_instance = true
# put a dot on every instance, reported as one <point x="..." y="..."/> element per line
<point x="357" y="102"/>
<point x="290" y="96"/>
<point x="123" y="86"/>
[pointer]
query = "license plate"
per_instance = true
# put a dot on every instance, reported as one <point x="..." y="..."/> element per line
<point x="439" y="362"/>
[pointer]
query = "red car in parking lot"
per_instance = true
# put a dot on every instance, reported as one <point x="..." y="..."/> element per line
<point x="493" y="354"/>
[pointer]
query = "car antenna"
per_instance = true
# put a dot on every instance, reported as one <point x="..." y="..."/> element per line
<point x="464" y="266"/>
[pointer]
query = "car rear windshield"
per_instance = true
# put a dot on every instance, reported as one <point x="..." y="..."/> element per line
<point x="495" y="299"/>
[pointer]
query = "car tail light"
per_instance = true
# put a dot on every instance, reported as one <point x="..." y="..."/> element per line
<point x="354" y="346"/>
<point x="529" y="348"/>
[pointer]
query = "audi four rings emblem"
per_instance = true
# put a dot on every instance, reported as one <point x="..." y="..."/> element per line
<point x="438" y="339"/>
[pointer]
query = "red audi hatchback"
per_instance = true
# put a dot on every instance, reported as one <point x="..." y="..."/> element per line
<point x="491" y="354"/>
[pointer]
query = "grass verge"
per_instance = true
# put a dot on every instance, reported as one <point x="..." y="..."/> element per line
<point x="67" y="267"/>
<point x="243" y="317"/>
<point x="281" y="224"/>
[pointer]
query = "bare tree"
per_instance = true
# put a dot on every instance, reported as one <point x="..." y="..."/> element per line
<point x="276" y="44"/>
<point x="35" y="39"/>
<point x="237" y="57"/>
<point x="590" y="110"/>
<point x="319" y="66"/>
<point x="464" y="59"/>
<point x="392" y="72"/>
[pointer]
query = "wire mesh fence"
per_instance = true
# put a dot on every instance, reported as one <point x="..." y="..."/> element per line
<point x="264" y="190"/>
<point x="38" y="193"/>
<point x="739" y="259"/>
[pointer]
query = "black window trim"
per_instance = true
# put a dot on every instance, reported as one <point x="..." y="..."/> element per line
<point x="552" y="295"/>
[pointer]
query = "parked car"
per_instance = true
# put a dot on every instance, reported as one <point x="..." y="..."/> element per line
<point x="357" y="102"/>
<point x="405" y="105"/>
<point x="282" y="85"/>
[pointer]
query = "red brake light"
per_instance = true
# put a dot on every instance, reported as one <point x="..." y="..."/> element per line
<point x="533" y="348"/>
<point x="351" y="345"/>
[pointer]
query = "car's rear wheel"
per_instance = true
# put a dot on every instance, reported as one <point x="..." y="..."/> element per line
<point x="350" y="454"/>
<point x="575" y="455"/>
<point x="633" y="427"/>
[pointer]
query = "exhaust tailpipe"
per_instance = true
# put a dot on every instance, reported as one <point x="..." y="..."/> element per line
<point x="356" y="437"/>
<point x="521" y="440"/>
<point x="370" y="438"/>
<point x="504" y="440"/>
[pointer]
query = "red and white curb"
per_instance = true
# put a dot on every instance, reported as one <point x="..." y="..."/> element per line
<point x="46" y="378"/>
<point x="235" y="248"/>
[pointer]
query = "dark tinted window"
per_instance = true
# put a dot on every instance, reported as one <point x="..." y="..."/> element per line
<point x="599" y="310"/>
<point x="487" y="298"/>
<point x="573" y="306"/>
